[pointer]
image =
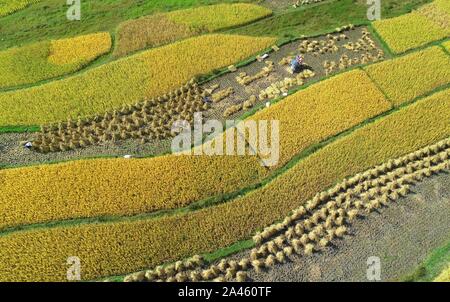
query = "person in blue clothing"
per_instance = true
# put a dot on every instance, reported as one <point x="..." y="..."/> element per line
<point x="296" y="64"/>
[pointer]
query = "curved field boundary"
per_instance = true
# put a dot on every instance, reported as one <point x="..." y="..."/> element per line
<point x="447" y="46"/>
<point x="119" y="187"/>
<point x="316" y="225"/>
<point x="50" y="59"/>
<point x="179" y="236"/>
<point x="95" y="188"/>
<point x="126" y="81"/>
<point x="157" y="198"/>
<point x="158" y="29"/>
<point x="431" y="268"/>
<point x="415" y="29"/>
<point x="407" y="77"/>
<point x="8" y="7"/>
<point x="152" y="197"/>
<point x="19" y="129"/>
<point x="323" y="109"/>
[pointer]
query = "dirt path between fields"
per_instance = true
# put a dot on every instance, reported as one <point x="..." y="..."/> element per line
<point x="402" y="236"/>
<point x="12" y="153"/>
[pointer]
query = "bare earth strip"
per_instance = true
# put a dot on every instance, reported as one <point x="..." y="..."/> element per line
<point x="402" y="236"/>
<point x="13" y="154"/>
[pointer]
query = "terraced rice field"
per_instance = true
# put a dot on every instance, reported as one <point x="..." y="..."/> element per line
<point x="418" y="31"/>
<point x="339" y="103"/>
<point x="88" y="128"/>
<point x="376" y="143"/>
<point x="407" y="78"/>
<point x="44" y="60"/>
<point x="158" y="29"/>
<point x="10" y="6"/>
<point x="109" y="86"/>
<point x="430" y="23"/>
<point x="95" y="188"/>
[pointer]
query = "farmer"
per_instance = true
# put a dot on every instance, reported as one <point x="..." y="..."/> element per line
<point x="296" y="64"/>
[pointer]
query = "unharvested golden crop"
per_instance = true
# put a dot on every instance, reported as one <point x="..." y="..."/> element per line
<point x="126" y="81"/>
<point x="158" y="29"/>
<point x="409" y="31"/>
<point x="323" y="110"/>
<point x="447" y="45"/>
<point x="413" y="75"/>
<point x="215" y="17"/>
<point x="106" y="187"/>
<point x="10" y="6"/>
<point x="79" y="49"/>
<point x="316" y="224"/>
<point x="44" y="60"/>
<point x="435" y="13"/>
<point x="443" y="5"/>
<point x="305" y="118"/>
<point x="133" y="245"/>
<point x="444" y="276"/>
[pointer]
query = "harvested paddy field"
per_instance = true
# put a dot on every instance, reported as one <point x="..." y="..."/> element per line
<point x="14" y="154"/>
<point x="207" y="140"/>
<point x="325" y="55"/>
<point x="401" y="235"/>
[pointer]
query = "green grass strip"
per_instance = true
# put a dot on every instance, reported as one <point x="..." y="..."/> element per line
<point x="19" y="129"/>
<point x="219" y="199"/>
<point x="435" y="263"/>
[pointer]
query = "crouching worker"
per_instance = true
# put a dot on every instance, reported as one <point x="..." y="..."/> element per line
<point x="296" y="65"/>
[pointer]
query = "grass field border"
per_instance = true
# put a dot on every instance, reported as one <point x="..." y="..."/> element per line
<point x="245" y="244"/>
<point x="383" y="43"/>
<point x="244" y="116"/>
<point x="101" y="60"/>
<point x="202" y="79"/>
<point x="19" y="129"/>
<point x="447" y="51"/>
<point x="29" y="129"/>
<point x="106" y="58"/>
<point x="433" y="265"/>
<point x="220" y="31"/>
<point x="223" y="198"/>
